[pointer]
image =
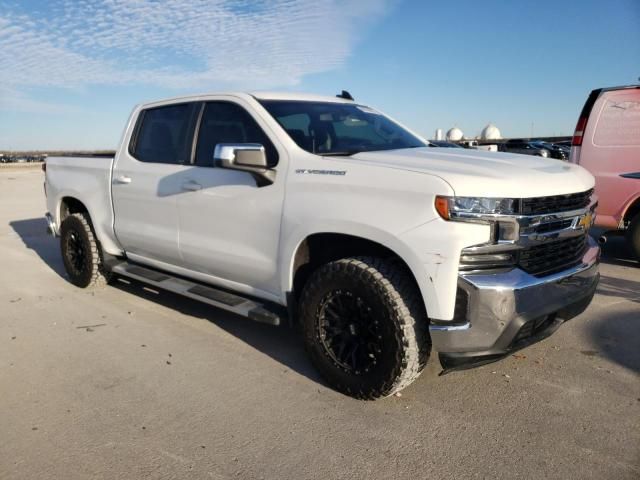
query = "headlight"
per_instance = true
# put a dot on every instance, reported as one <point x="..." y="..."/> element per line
<point x="473" y="208"/>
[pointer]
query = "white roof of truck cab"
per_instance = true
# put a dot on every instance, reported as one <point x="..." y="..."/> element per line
<point x="294" y="96"/>
<point x="305" y="97"/>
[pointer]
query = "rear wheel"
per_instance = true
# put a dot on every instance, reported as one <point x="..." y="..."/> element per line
<point x="633" y="236"/>
<point x="365" y="326"/>
<point x="81" y="253"/>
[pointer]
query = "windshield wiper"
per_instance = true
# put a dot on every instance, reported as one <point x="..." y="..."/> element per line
<point x="348" y="153"/>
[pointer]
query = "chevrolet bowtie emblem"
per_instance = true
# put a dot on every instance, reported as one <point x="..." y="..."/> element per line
<point x="585" y="221"/>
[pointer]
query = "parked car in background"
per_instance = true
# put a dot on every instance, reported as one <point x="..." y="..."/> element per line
<point x="555" y="150"/>
<point x="472" y="144"/>
<point x="444" y="144"/>
<point x="607" y="143"/>
<point x="525" y="147"/>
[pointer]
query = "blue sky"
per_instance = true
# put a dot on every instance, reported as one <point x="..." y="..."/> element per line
<point x="73" y="69"/>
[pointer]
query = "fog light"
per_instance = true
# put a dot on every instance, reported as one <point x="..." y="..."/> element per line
<point x="486" y="258"/>
<point x="507" y="231"/>
<point x="483" y="261"/>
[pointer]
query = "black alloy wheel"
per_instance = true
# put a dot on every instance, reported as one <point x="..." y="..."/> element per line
<point x="75" y="252"/>
<point x="348" y="331"/>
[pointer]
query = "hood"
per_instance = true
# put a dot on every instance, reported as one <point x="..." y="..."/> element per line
<point x="489" y="174"/>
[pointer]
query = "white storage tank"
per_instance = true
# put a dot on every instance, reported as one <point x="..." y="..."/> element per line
<point x="490" y="132"/>
<point x="454" y="134"/>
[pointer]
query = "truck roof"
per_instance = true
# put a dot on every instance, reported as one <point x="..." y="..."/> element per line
<point x="259" y="95"/>
<point x="308" y="97"/>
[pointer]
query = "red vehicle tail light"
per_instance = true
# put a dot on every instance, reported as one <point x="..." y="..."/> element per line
<point x="576" y="141"/>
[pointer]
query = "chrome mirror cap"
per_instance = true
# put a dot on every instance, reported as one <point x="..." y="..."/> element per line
<point x="247" y="157"/>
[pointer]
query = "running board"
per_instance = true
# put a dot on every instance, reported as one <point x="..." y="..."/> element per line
<point x="212" y="296"/>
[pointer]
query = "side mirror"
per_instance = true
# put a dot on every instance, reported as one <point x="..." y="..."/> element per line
<point x="246" y="157"/>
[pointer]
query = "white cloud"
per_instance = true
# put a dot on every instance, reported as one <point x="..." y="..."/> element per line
<point x="183" y="44"/>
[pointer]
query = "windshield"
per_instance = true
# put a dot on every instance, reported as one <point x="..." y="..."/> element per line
<point x="327" y="128"/>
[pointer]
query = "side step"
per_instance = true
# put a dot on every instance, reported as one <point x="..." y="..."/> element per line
<point x="213" y="296"/>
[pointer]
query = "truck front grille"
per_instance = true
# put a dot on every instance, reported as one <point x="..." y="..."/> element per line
<point x="555" y="203"/>
<point x="553" y="225"/>
<point x="552" y="257"/>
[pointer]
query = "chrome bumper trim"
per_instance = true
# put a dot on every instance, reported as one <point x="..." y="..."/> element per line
<point x="501" y="303"/>
<point x="51" y="225"/>
<point x="450" y="328"/>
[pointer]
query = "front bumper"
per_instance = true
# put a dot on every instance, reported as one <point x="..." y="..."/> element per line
<point x="512" y="310"/>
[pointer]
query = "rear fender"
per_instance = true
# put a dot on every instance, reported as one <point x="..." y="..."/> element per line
<point x="102" y="225"/>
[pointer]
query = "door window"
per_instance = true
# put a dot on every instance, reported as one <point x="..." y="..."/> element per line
<point x="164" y="134"/>
<point x="226" y="122"/>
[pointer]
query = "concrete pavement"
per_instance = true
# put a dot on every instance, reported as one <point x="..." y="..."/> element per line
<point x="128" y="383"/>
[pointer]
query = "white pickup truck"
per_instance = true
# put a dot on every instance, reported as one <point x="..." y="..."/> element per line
<point x="328" y="213"/>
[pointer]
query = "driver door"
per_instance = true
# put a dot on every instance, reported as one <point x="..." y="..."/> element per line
<point x="229" y="225"/>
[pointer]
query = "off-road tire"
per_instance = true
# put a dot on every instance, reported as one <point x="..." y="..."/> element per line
<point x="633" y="236"/>
<point x="396" y="305"/>
<point x="77" y="230"/>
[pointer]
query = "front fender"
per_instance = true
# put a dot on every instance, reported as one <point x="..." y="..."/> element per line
<point x="431" y="251"/>
<point x="355" y="229"/>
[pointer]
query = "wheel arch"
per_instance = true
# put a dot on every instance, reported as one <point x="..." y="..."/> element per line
<point x="72" y="201"/>
<point x="69" y="205"/>
<point x="319" y="247"/>
<point x="632" y="209"/>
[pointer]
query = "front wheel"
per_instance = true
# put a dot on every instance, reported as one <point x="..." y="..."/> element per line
<point x="81" y="253"/>
<point x="365" y="326"/>
<point x="633" y="236"/>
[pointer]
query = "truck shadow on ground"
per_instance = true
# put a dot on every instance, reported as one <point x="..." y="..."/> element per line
<point x="282" y="343"/>
<point x="617" y="252"/>
<point x="615" y="336"/>
<point x="33" y="233"/>
<point x="618" y="287"/>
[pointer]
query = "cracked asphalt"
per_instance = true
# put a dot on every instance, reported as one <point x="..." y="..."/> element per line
<point x="126" y="382"/>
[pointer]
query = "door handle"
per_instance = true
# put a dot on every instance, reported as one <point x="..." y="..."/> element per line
<point x="191" y="186"/>
<point x="122" y="180"/>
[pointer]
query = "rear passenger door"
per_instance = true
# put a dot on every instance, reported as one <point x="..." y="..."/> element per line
<point x="230" y="225"/>
<point x="147" y="180"/>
